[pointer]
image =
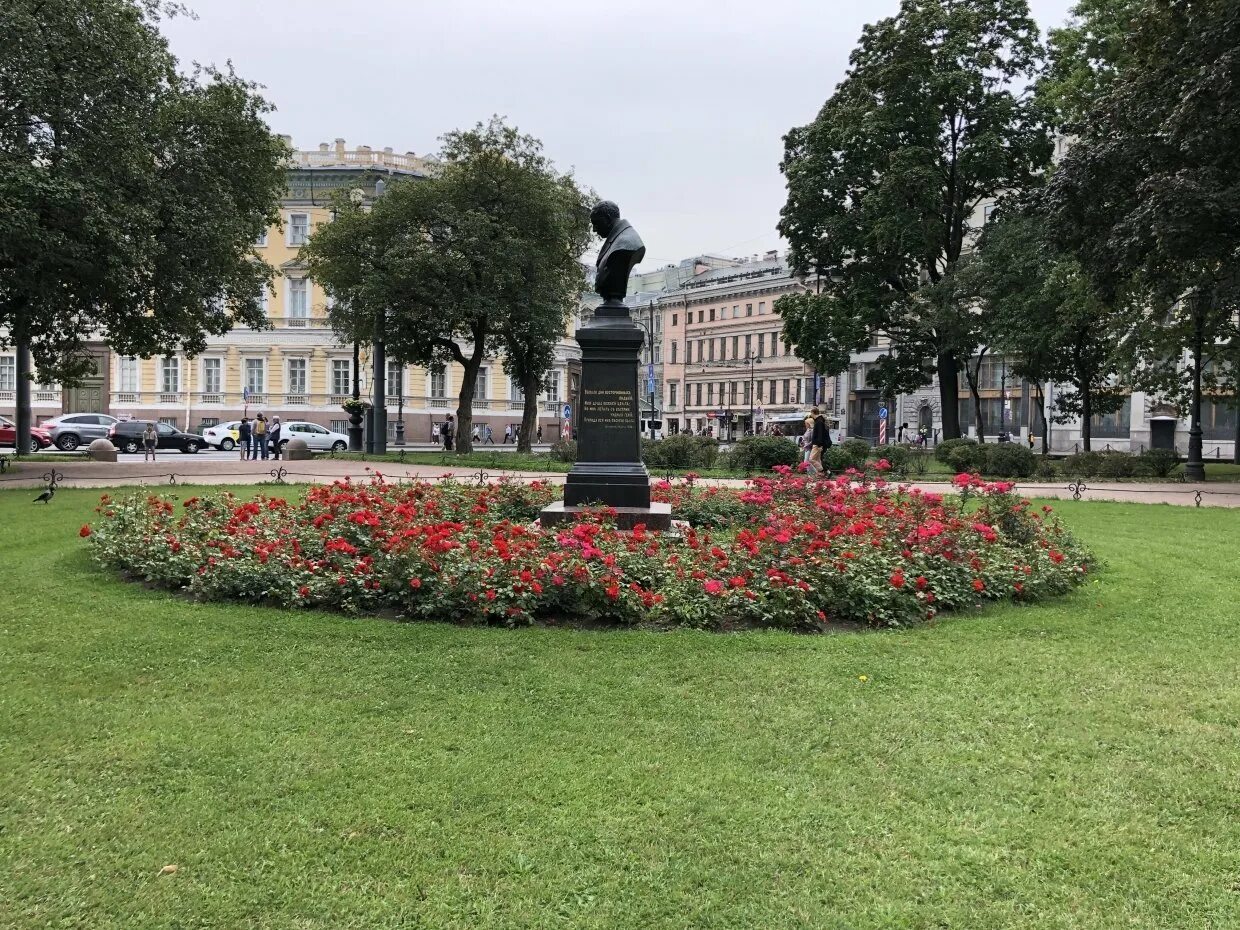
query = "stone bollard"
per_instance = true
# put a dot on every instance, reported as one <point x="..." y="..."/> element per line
<point x="296" y="450"/>
<point x="101" y="450"/>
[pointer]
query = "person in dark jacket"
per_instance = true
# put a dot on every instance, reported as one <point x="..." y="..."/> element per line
<point x="273" y="437"/>
<point x="243" y="438"/>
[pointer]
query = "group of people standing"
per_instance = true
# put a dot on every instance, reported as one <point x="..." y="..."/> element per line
<point x="258" y="438"/>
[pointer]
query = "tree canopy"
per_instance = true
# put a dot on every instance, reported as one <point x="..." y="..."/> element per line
<point x="481" y="258"/>
<point x="932" y="119"/>
<point x="133" y="193"/>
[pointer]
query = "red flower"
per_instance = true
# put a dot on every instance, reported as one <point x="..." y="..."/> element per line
<point x="1056" y="557"/>
<point x="897" y="579"/>
<point x="84" y="531"/>
<point x="713" y="586"/>
<point x="979" y="585"/>
<point x="415" y="583"/>
<point x="303" y="591"/>
<point x="613" y="592"/>
<point x="921" y="582"/>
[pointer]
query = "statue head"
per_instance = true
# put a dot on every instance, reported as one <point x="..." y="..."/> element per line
<point x="603" y="217"/>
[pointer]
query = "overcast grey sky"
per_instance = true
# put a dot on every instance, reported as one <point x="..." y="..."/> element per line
<point x="673" y="109"/>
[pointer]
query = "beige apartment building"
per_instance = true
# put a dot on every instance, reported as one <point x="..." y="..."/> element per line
<point x="726" y="368"/>
<point x="297" y="368"/>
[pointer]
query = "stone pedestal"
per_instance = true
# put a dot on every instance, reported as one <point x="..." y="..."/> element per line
<point x="609" y="469"/>
<point x="296" y="450"/>
<point x="101" y="450"/>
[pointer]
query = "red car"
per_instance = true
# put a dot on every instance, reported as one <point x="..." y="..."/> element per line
<point x="39" y="437"/>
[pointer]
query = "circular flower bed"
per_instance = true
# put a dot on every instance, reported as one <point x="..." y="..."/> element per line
<point x="785" y="552"/>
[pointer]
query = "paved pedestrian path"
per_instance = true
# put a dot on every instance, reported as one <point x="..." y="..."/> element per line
<point x="182" y="469"/>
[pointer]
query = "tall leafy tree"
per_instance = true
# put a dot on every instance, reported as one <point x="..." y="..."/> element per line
<point x="1148" y="197"/>
<point x="1040" y="310"/>
<point x="1086" y="54"/>
<point x="480" y="258"/>
<point x="133" y="192"/>
<point x="931" y="120"/>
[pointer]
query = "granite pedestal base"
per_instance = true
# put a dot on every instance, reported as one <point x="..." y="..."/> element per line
<point x="656" y="518"/>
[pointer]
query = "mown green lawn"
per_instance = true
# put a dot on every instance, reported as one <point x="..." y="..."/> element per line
<point x="1070" y="765"/>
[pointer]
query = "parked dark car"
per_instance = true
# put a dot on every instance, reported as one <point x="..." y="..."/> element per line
<point x="39" y="437"/>
<point x="127" y="437"/>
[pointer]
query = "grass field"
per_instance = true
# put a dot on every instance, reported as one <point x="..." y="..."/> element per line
<point x="1072" y="765"/>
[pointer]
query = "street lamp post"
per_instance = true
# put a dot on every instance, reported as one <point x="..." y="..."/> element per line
<point x="752" y="360"/>
<point x="378" y="412"/>
<point x="355" y="417"/>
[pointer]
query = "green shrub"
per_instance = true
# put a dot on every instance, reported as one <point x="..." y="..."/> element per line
<point x="681" y="451"/>
<point x="897" y="457"/>
<point x="962" y="455"/>
<point x="1045" y="469"/>
<point x="918" y="461"/>
<point x="1117" y="465"/>
<point x="1158" y="463"/>
<point x="943" y="450"/>
<point x="565" y="450"/>
<point x="851" y="453"/>
<point x="759" y="454"/>
<point x="1009" y="460"/>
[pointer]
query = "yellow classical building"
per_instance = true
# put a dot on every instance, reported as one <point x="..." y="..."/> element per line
<point x="297" y="368"/>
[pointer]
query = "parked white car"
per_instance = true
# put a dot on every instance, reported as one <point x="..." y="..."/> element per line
<point x="316" y="437"/>
<point x="223" y="435"/>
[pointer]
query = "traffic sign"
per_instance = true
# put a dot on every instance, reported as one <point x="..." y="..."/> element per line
<point x="245" y="393"/>
<point x="568" y="411"/>
<point x="650" y="371"/>
<point x="882" y="413"/>
<point x="650" y="386"/>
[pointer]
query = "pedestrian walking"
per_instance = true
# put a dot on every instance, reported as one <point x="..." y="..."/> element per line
<point x="540" y="433"/>
<point x="508" y="434"/>
<point x="806" y="442"/>
<point x="150" y="439"/>
<point x="488" y="435"/>
<point x="243" y="438"/>
<point x="260" y="437"/>
<point x="274" y="437"/>
<point x="477" y="433"/>
<point x="448" y="433"/>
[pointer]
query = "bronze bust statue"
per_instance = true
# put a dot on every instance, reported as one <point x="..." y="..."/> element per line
<point x="622" y="249"/>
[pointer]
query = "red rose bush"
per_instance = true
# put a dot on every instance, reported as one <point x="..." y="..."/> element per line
<point x="787" y="551"/>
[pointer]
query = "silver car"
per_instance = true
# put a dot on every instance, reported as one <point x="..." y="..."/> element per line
<point x="316" y="437"/>
<point x="70" y="430"/>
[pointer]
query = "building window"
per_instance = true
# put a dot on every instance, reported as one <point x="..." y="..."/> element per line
<point x="170" y="375"/>
<point x="698" y="392"/>
<point x="674" y="317"/>
<point x="723" y="353"/>
<point x="439" y="384"/>
<point x="1218" y="417"/>
<point x="671" y="394"/>
<point x="340" y="426"/>
<point x="298" y="304"/>
<point x="749" y="346"/>
<point x="296" y="376"/>
<point x="761" y="344"/>
<point x="264" y="299"/>
<point x="736" y="347"/>
<point x="673" y="351"/>
<point x="710" y="344"/>
<point x="732" y="392"/>
<point x="342" y="374"/>
<point x="515" y="395"/>
<point x="748" y="309"/>
<point x="775" y="345"/>
<point x="168" y="421"/>
<point x="298" y="228"/>
<point x="771" y="391"/>
<point x="658" y="355"/>
<point x="8" y="372"/>
<point x="1117" y="425"/>
<point x="128" y="373"/>
<point x="736" y="311"/>
<point x="712" y="314"/>
<point x="261" y="241"/>
<point x="748" y="390"/>
<point x="987" y="212"/>
<point x="551" y="387"/>
<point x="761" y="307"/>
<point x="710" y="393"/>
<point x="480" y="384"/>
<point x="786" y="391"/>
<point x="395" y="378"/>
<point x="208" y="422"/>
<point x="212" y="375"/>
<point x="256" y="375"/>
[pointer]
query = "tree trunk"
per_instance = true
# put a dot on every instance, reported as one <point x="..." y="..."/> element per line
<point x="949" y="374"/>
<point x="1046" y="438"/>
<point x="1087" y="415"/>
<point x="971" y="377"/>
<point x="529" y="415"/>
<point x="22" y="414"/>
<point x="465" y="407"/>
